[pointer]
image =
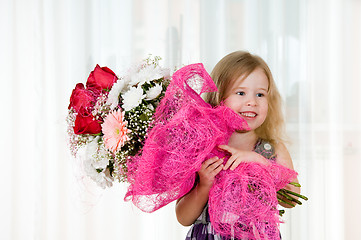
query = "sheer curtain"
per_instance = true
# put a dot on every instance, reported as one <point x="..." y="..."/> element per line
<point x="47" y="46"/>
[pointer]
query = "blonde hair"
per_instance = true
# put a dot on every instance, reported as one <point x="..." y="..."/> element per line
<point x="241" y="63"/>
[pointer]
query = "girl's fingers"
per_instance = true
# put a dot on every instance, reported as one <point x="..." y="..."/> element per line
<point x="234" y="165"/>
<point x="227" y="148"/>
<point x="210" y="168"/>
<point x="218" y="169"/>
<point x="209" y="162"/>
<point x="229" y="162"/>
<point x="215" y="165"/>
<point x="233" y="156"/>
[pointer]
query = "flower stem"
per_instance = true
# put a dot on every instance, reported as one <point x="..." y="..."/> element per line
<point x="285" y="201"/>
<point x="295" y="194"/>
<point x="295" y="184"/>
<point x="284" y="194"/>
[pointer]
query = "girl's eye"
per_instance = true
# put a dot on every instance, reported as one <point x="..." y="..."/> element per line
<point x="241" y="93"/>
<point x="259" y="94"/>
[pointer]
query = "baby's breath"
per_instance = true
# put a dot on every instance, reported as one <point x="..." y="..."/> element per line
<point x="120" y="164"/>
<point x="153" y="61"/>
<point x="101" y="108"/>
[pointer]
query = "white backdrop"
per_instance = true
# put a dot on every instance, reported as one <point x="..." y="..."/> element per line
<point x="46" y="46"/>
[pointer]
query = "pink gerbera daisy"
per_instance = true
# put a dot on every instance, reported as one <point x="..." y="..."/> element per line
<point x="115" y="131"/>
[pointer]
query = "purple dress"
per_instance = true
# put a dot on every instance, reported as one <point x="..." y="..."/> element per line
<point x="202" y="228"/>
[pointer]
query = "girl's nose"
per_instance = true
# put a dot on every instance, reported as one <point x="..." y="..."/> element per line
<point x="251" y="101"/>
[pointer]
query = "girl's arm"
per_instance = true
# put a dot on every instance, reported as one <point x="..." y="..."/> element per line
<point x="284" y="158"/>
<point x="190" y="206"/>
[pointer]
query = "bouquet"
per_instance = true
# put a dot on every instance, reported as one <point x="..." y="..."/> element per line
<point x="109" y="117"/>
<point x="155" y="133"/>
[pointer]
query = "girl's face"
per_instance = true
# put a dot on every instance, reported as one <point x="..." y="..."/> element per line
<point x="249" y="98"/>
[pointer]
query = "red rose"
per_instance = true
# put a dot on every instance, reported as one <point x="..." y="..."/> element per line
<point x="86" y="125"/>
<point x="101" y="78"/>
<point x="81" y="100"/>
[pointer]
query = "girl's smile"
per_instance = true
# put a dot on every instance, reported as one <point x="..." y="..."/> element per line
<point x="250" y="115"/>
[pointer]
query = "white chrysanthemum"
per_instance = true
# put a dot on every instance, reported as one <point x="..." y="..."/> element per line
<point x="102" y="158"/>
<point x="154" y="92"/>
<point x="147" y="74"/>
<point x="96" y="155"/>
<point x="132" y="98"/>
<point x="113" y="96"/>
<point x="91" y="149"/>
<point x="91" y="163"/>
<point x="103" y="179"/>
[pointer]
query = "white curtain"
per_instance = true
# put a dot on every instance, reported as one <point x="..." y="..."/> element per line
<point x="47" y="46"/>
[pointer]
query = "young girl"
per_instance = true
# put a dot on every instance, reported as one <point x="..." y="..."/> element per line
<point x="245" y="84"/>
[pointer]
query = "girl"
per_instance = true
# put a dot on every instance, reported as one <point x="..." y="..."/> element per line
<point x="245" y="84"/>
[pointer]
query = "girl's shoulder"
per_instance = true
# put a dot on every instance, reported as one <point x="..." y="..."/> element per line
<point x="283" y="156"/>
<point x="266" y="149"/>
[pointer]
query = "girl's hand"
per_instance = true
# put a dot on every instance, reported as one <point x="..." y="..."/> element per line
<point x="210" y="168"/>
<point x="190" y="206"/>
<point x="239" y="156"/>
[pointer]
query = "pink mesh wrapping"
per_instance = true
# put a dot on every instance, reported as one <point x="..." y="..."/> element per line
<point x="243" y="202"/>
<point x="185" y="132"/>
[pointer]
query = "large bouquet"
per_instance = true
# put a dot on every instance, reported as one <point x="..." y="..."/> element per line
<point x="108" y="118"/>
<point x="155" y="135"/>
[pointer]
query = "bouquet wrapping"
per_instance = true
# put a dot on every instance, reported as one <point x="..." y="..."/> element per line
<point x="243" y="202"/>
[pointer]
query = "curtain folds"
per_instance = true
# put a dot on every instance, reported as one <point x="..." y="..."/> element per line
<point x="312" y="47"/>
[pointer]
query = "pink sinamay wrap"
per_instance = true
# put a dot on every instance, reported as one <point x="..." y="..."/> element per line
<point x="243" y="202"/>
<point x="185" y="132"/>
